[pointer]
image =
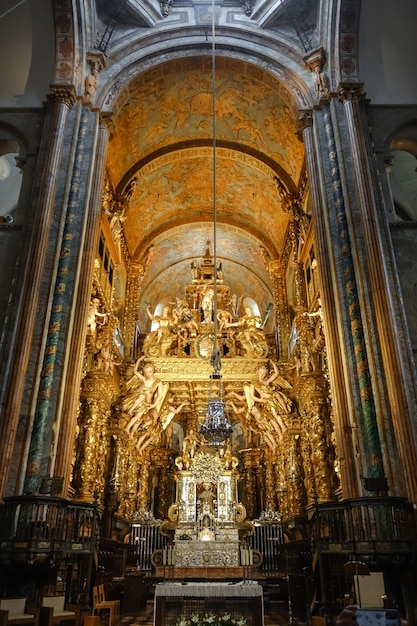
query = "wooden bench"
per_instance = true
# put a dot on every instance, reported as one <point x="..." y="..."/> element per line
<point x="55" y="610"/>
<point x="14" y="611"/>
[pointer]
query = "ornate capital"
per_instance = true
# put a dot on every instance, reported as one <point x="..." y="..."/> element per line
<point x="347" y="92"/>
<point x="106" y="123"/>
<point x="275" y="268"/>
<point x="305" y="120"/>
<point x="137" y="269"/>
<point x="62" y="94"/>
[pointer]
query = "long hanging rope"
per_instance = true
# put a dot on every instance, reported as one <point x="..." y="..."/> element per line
<point x="215" y="359"/>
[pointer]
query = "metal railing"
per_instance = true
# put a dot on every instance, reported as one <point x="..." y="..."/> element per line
<point x="47" y="523"/>
<point x="377" y="524"/>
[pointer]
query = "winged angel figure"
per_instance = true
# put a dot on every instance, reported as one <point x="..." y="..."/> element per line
<point x="147" y="402"/>
<point x="266" y="403"/>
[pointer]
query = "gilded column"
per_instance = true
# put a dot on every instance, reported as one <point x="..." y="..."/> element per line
<point x="343" y="425"/>
<point x="66" y="427"/>
<point x="277" y="275"/>
<point x="61" y="101"/>
<point x="281" y="486"/>
<point x="127" y="478"/>
<point x="136" y="273"/>
<point x="161" y="459"/>
<point x="318" y="434"/>
<point x="296" y="498"/>
<point x="270" y="498"/>
<point x="308" y="467"/>
<point x="144" y="494"/>
<point x="300" y="287"/>
<point x="402" y="407"/>
<point x="250" y="483"/>
<point x="93" y="445"/>
<point x="86" y="465"/>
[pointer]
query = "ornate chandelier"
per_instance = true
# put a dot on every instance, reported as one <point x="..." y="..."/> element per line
<point x="216" y="427"/>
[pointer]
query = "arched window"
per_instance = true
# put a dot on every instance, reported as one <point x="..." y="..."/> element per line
<point x="253" y="306"/>
<point x="157" y="313"/>
<point x="403" y="178"/>
<point x="10" y="184"/>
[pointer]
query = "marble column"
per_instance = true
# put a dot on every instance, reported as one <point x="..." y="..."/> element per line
<point x="54" y="354"/>
<point x="60" y="103"/>
<point x="401" y="402"/>
<point x="368" y="425"/>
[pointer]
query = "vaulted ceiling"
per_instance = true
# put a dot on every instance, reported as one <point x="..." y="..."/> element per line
<point x="161" y="153"/>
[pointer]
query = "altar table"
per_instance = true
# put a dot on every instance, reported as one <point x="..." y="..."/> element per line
<point x="174" y="600"/>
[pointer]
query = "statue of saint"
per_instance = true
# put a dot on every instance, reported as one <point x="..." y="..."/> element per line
<point x="207" y="306"/>
<point x="158" y="342"/>
<point x="206" y="501"/>
<point x="195" y="270"/>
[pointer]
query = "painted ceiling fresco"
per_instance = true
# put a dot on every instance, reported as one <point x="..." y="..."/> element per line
<point x="163" y="139"/>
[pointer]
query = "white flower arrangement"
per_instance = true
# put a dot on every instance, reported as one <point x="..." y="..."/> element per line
<point x="210" y="619"/>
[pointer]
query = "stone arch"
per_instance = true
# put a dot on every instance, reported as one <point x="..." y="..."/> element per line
<point x="116" y="79"/>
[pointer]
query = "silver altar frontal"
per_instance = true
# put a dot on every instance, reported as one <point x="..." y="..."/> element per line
<point x="199" y="553"/>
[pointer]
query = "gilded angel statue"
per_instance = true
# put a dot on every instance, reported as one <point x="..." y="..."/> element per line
<point x="267" y="401"/>
<point x="145" y="397"/>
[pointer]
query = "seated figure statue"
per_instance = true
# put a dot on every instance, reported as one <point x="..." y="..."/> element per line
<point x="159" y="342"/>
<point x="249" y="334"/>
